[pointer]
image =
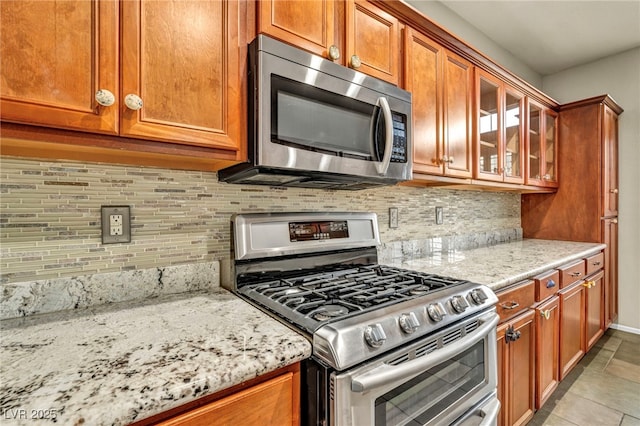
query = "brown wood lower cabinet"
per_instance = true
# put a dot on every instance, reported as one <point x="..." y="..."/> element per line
<point x="516" y="354"/>
<point x="272" y="399"/>
<point x="547" y="342"/>
<point x="572" y="319"/>
<point x="594" y="304"/>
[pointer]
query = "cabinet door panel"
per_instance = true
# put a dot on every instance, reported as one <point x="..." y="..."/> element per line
<point x="268" y="403"/>
<point x="572" y="306"/>
<point x="521" y="355"/>
<point x="489" y="136"/>
<point x="610" y="162"/>
<point x="374" y="36"/>
<point x="55" y="56"/>
<point x="514" y="136"/>
<point x="547" y="350"/>
<point x="182" y="59"/>
<point x="306" y="24"/>
<point x="458" y="83"/>
<point x="610" y="238"/>
<point x="423" y="79"/>
<point x="594" y="326"/>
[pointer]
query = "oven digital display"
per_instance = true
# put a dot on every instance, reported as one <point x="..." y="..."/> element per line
<point x="326" y="230"/>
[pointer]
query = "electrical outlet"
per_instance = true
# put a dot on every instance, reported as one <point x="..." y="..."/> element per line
<point x="393" y="217"/>
<point x="116" y="224"/>
<point x="439" y="216"/>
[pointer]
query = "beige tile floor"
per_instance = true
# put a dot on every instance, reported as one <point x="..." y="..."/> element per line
<point x="602" y="390"/>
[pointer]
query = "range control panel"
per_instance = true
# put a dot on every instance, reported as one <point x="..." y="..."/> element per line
<point x="321" y="230"/>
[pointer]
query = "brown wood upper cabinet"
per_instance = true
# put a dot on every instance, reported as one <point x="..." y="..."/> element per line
<point x="371" y="36"/>
<point x="372" y="41"/>
<point x="306" y="24"/>
<point x="175" y="75"/>
<point x="499" y="130"/>
<point x="55" y="55"/>
<point x="440" y="83"/>
<point x="542" y="146"/>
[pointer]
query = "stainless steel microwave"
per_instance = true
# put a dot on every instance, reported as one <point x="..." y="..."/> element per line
<point x="314" y="123"/>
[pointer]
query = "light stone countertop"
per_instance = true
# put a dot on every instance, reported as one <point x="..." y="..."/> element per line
<point x="503" y="264"/>
<point x="124" y="362"/>
<point x="118" y="363"/>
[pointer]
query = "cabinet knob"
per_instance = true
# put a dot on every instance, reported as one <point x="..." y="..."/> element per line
<point x="545" y="314"/>
<point x="105" y="97"/>
<point x="450" y="160"/>
<point x="614" y="191"/>
<point x="547" y="177"/>
<point x="355" y="62"/>
<point x="133" y="102"/>
<point x="614" y="220"/>
<point x="589" y="284"/>
<point x="334" y="52"/>
<point x="512" y="335"/>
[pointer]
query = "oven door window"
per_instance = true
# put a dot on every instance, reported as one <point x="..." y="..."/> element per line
<point x="421" y="399"/>
<point x="304" y="116"/>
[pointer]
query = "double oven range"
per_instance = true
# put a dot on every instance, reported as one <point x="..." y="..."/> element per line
<point x="390" y="346"/>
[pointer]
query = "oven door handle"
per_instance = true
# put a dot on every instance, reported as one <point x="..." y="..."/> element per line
<point x="387" y="373"/>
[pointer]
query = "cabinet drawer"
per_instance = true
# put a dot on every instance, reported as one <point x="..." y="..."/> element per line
<point x="571" y="273"/>
<point x="547" y="284"/>
<point x="595" y="263"/>
<point x="515" y="299"/>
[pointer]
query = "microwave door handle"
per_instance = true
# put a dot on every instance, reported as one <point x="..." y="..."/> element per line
<point x="387" y="373"/>
<point x="383" y="165"/>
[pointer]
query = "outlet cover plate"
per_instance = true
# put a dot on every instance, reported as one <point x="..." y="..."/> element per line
<point x="439" y="216"/>
<point x="393" y="217"/>
<point x="121" y="219"/>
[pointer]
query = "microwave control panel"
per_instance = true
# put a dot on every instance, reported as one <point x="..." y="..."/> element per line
<point x="399" y="153"/>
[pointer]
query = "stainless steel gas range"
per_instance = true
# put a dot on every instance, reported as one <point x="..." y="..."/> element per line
<point x="390" y="346"/>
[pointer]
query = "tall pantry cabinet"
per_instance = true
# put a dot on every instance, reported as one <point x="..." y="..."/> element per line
<point x="585" y="207"/>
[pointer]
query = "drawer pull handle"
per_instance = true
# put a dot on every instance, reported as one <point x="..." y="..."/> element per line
<point x="551" y="284"/>
<point x="589" y="284"/>
<point x="575" y="274"/>
<point x="596" y="263"/>
<point x="509" y="305"/>
<point x="546" y="314"/>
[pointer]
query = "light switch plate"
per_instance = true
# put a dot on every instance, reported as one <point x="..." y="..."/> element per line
<point x="116" y="224"/>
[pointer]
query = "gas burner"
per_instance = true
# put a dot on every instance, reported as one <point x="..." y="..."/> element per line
<point x="327" y="312"/>
<point x="419" y="290"/>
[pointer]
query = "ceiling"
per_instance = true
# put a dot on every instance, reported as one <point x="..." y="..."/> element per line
<point x="551" y="36"/>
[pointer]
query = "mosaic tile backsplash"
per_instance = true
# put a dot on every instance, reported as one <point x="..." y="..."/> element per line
<point x="50" y="216"/>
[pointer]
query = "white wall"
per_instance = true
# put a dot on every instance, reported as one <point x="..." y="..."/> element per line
<point x="452" y="22"/>
<point x="619" y="76"/>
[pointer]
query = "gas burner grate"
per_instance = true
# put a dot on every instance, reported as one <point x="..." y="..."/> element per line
<point x="351" y="288"/>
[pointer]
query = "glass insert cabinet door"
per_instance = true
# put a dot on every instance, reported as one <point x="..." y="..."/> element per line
<point x="489" y="126"/>
<point x="542" y="146"/>
<point x="513" y="137"/>
<point x="500" y="130"/>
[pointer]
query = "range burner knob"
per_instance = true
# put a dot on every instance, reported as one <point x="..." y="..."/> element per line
<point x="409" y="322"/>
<point x="436" y="312"/>
<point x="374" y="335"/>
<point x="478" y="296"/>
<point x="459" y="304"/>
